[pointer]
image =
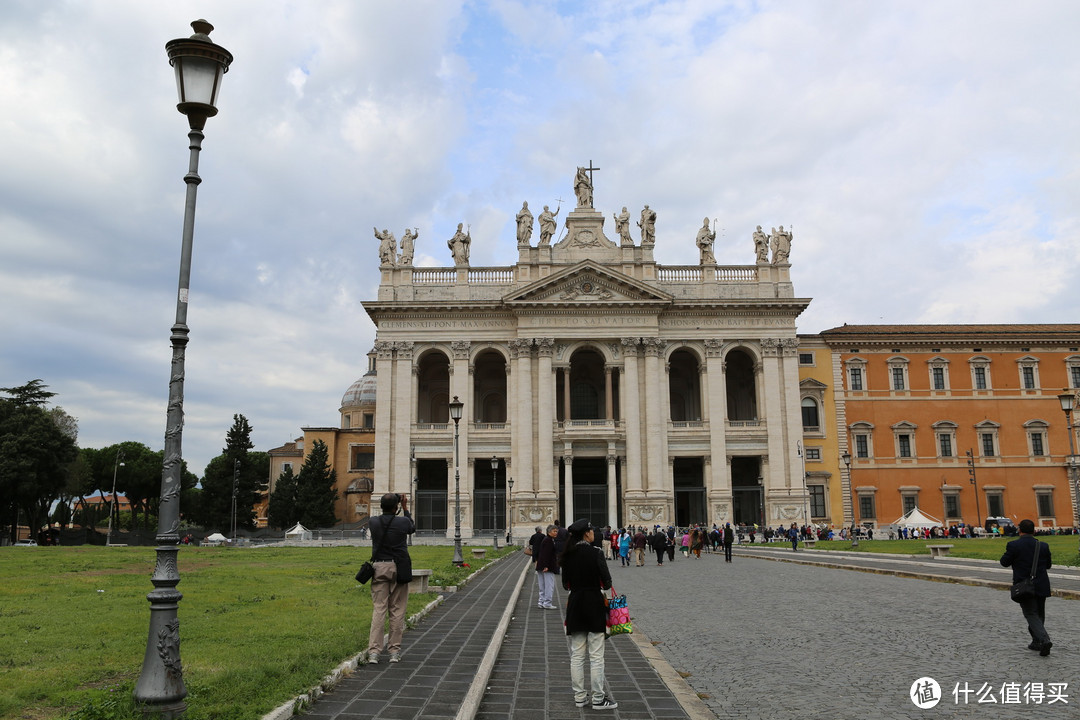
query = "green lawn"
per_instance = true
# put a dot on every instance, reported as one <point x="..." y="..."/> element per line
<point x="1063" y="548"/>
<point x="257" y="626"/>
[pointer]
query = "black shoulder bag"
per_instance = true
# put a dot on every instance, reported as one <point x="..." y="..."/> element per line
<point x="367" y="570"/>
<point x="1023" y="589"/>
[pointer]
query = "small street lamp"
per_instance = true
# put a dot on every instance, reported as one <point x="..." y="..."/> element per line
<point x="1068" y="402"/>
<point x="199" y="65"/>
<point x="112" y="502"/>
<point x="455" y="413"/>
<point x="510" y="517"/>
<point x="846" y="457"/>
<point x="415" y="482"/>
<point x="494" y="493"/>
<point x="974" y="481"/>
<point x="235" y="490"/>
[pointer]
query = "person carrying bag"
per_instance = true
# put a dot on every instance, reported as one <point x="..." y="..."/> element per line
<point x="393" y="571"/>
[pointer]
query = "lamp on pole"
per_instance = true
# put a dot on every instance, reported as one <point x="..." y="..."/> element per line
<point x="455" y="413"/>
<point x="412" y="467"/>
<point x="112" y="502"/>
<point x="199" y="65"/>
<point x="494" y="493"/>
<point x="510" y="516"/>
<point x="1068" y="402"/>
<point x="846" y="457"/>
<point x="974" y="481"/>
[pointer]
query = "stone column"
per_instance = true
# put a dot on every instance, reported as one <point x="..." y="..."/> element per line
<point x="567" y="415"/>
<point x="719" y="477"/>
<point x="655" y="415"/>
<point x="522" y="434"/>
<point x="461" y="385"/>
<point x="612" y="495"/>
<point x="770" y="381"/>
<point x="384" y="416"/>
<point x="404" y="402"/>
<point x="634" y="414"/>
<point x="568" y="489"/>
<point x="608" y="402"/>
<point x="545" y="412"/>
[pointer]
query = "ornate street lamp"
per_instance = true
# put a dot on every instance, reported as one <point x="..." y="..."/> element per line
<point x="494" y="493"/>
<point x="415" y="482"/>
<point x="160" y="691"/>
<point x="510" y="517"/>
<point x="975" y="483"/>
<point x="1068" y="401"/>
<point x="846" y="457"/>
<point x="455" y="412"/>
<point x="112" y="503"/>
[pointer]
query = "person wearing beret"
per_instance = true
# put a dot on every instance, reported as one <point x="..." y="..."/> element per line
<point x="585" y="574"/>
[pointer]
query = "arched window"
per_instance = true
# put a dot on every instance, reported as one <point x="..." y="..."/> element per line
<point x="741" y="390"/>
<point x="810" y="416"/>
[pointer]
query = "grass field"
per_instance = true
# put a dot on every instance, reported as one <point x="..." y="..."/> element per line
<point x="1063" y="548"/>
<point x="257" y="626"/>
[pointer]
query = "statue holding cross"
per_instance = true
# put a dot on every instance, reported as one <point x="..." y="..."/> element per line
<point x="583" y="185"/>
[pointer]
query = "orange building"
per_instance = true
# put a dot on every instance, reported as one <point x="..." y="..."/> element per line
<point x="961" y="421"/>
<point x="351" y="450"/>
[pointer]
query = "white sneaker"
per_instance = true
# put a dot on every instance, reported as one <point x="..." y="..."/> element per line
<point x="373" y="658"/>
<point x="395" y="657"/>
<point x="581" y="703"/>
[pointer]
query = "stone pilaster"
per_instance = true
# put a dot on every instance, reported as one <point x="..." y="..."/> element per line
<point x="634" y="414"/>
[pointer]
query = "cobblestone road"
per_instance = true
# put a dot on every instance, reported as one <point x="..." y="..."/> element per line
<point x="774" y="640"/>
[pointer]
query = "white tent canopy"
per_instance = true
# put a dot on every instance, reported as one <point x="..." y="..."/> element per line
<point x="298" y="532"/>
<point x="216" y="538"/>
<point x="917" y="519"/>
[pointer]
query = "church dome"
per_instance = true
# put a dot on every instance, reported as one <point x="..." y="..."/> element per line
<point x="361" y="392"/>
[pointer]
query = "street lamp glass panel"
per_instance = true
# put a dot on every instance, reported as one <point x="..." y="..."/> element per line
<point x="455" y="409"/>
<point x="846" y="457"/>
<point x="197" y="80"/>
<point x="1067" y="400"/>
<point x="494" y="464"/>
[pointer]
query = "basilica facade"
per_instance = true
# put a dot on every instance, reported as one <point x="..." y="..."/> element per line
<point x="595" y="382"/>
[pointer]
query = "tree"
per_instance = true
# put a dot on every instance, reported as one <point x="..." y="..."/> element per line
<point x="34" y="455"/>
<point x="216" y="498"/>
<point x="316" y="491"/>
<point x="284" y="512"/>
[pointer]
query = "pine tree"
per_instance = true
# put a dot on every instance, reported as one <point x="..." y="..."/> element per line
<point x="217" y="484"/>
<point x="316" y="491"/>
<point x="284" y="511"/>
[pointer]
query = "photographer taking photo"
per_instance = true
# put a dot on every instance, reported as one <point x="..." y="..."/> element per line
<point x="393" y="571"/>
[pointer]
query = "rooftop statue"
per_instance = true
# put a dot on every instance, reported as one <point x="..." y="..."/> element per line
<point x="781" y="245"/>
<point x="387" y="246"/>
<point x="761" y="245"/>
<point x="705" y="238"/>
<point x="622" y="227"/>
<point x="583" y="188"/>
<point x="547" y="224"/>
<point x="408" y="246"/>
<point x="524" y="225"/>
<point x="459" y="246"/>
<point x="648" y="226"/>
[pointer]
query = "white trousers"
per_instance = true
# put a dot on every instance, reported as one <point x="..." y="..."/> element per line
<point x="594" y="642"/>
<point x="546" y="581"/>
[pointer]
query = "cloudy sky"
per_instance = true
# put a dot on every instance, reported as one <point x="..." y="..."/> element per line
<point x="926" y="154"/>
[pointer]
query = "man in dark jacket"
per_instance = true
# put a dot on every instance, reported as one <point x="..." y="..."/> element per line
<point x="1020" y="555"/>
<point x="547" y="567"/>
<point x="728" y="539"/>
<point x="586" y="576"/>
<point x="638" y="543"/>
<point x="658" y="543"/>
<point x="389" y="590"/>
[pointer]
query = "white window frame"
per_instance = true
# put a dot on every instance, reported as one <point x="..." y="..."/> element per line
<point x="988" y="427"/>
<point x="905" y="428"/>
<point x="899" y="362"/>
<point x="945" y="428"/>
<point x="947" y="492"/>
<point x="862" y="428"/>
<point x="856" y="363"/>
<point x="813" y="454"/>
<point x="1028" y="361"/>
<point x="1072" y="371"/>
<point x="1038" y="427"/>
<point x="364" y="448"/>
<point x="981" y="361"/>
<point x="941" y="363"/>
<point x="1045" y="491"/>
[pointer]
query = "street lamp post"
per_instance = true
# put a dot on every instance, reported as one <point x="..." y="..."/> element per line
<point x="235" y="490"/>
<point x="494" y="492"/>
<point x="199" y="65"/>
<point x="455" y="412"/>
<point x="112" y="502"/>
<point x="1068" y="401"/>
<point x="975" y="483"/>
<point x="510" y="514"/>
<point x="846" y="457"/>
<point x="412" y="467"/>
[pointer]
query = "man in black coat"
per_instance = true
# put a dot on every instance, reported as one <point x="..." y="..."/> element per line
<point x="728" y="539"/>
<point x="389" y="589"/>
<point x="1020" y="555"/>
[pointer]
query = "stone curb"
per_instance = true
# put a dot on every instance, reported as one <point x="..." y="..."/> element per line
<point x="975" y="582"/>
<point x="475" y="695"/>
<point x="687" y="697"/>
<point x="300" y="702"/>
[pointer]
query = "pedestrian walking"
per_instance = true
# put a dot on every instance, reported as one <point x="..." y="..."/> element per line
<point x="547" y="567"/>
<point x="793" y="536"/>
<point x="624" y="547"/>
<point x="729" y="538"/>
<point x="639" y="547"/>
<point x="658" y="542"/>
<point x="389" y="587"/>
<point x="586" y="576"/>
<point x="1028" y="555"/>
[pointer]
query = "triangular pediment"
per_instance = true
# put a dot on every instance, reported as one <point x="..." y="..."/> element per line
<point x="812" y="384"/>
<point x="588" y="282"/>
